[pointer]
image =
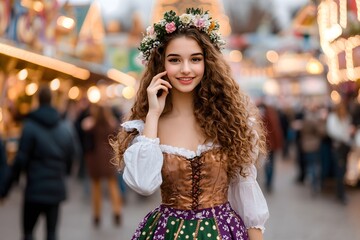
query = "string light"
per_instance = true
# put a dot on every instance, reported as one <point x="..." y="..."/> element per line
<point x="343" y="13"/>
<point x="31" y="89"/>
<point x="331" y="26"/>
<point x="38" y="6"/>
<point x="335" y="97"/>
<point x="235" y="56"/>
<point x="272" y="56"/>
<point x="74" y="92"/>
<point x="333" y="10"/>
<point x="110" y="91"/>
<point x="94" y="94"/>
<point x="55" y="84"/>
<point x="22" y="75"/>
<point x="314" y="66"/>
<point x="128" y="92"/>
<point x="66" y="22"/>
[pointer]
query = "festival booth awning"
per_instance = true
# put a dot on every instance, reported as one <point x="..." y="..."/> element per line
<point x="66" y="47"/>
<point x="68" y="43"/>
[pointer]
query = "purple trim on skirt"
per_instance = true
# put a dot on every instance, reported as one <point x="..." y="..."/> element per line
<point x="230" y="224"/>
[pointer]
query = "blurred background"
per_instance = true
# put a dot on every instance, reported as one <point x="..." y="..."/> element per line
<point x="299" y="58"/>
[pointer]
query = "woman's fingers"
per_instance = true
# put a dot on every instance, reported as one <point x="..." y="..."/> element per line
<point x="159" y="75"/>
<point x="157" y="91"/>
<point x="154" y="86"/>
<point x="164" y="82"/>
<point x="152" y="90"/>
<point x="157" y="88"/>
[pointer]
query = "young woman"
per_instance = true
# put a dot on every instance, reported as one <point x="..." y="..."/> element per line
<point x="194" y="134"/>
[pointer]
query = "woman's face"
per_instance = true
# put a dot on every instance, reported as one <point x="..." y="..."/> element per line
<point x="184" y="63"/>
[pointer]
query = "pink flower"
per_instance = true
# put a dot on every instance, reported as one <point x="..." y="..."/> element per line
<point x="199" y="22"/>
<point x="170" y="27"/>
<point x="150" y="30"/>
<point x="144" y="62"/>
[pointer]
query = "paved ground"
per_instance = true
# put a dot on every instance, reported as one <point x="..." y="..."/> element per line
<point x="295" y="214"/>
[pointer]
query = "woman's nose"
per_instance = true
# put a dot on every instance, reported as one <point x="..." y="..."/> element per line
<point x="185" y="68"/>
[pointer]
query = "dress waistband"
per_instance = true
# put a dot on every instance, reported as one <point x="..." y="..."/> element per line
<point x="196" y="214"/>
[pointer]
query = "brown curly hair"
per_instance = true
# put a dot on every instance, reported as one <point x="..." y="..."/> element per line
<point x="222" y="110"/>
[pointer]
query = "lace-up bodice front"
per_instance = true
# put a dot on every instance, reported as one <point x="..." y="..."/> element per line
<point x="194" y="183"/>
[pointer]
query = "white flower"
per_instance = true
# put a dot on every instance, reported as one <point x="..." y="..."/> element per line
<point x="147" y="39"/>
<point x="163" y="22"/>
<point x="150" y="31"/>
<point x="186" y="18"/>
<point x="221" y="42"/>
<point x="207" y="23"/>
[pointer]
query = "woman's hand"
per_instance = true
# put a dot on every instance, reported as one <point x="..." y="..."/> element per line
<point x="157" y="102"/>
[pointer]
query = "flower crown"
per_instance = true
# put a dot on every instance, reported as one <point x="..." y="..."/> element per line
<point x="194" y="17"/>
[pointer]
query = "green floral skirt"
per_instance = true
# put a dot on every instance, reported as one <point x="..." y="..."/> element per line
<point x="220" y="222"/>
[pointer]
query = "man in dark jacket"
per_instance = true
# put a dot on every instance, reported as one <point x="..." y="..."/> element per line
<point x="45" y="147"/>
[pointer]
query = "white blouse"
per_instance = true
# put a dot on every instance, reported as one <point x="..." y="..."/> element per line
<point x="143" y="163"/>
<point x="339" y="129"/>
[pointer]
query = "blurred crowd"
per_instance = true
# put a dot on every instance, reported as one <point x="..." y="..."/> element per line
<point x="324" y="142"/>
<point x="54" y="146"/>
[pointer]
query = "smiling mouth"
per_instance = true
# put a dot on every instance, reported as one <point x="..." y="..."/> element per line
<point x="186" y="80"/>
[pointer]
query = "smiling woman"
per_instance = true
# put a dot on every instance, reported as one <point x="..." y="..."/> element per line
<point x="198" y="141"/>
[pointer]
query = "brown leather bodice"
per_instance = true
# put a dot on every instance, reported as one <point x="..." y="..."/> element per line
<point x="197" y="183"/>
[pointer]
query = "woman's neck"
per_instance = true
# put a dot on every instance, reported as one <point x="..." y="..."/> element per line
<point x="182" y="104"/>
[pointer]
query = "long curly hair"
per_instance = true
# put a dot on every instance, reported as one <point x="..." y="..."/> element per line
<point x="223" y="111"/>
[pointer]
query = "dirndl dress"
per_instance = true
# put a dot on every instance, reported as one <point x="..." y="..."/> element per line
<point x="194" y="202"/>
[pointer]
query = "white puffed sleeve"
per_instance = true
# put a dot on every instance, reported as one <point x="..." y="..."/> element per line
<point x="245" y="195"/>
<point x="143" y="161"/>
<point x="247" y="199"/>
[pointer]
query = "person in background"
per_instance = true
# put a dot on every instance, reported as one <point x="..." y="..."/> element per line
<point x="340" y="129"/>
<point x="274" y="139"/>
<point x="45" y="148"/>
<point x="286" y="116"/>
<point x="99" y="126"/>
<point x="326" y="156"/>
<point x="311" y="133"/>
<point x="195" y="135"/>
<point x="119" y="115"/>
<point x="69" y="116"/>
<point x="83" y="107"/>
<point x="300" y="160"/>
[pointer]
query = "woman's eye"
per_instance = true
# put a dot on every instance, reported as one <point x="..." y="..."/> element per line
<point x="173" y="60"/>
<point x="197" y="59"/>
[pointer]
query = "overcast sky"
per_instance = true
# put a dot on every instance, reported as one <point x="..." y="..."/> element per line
<point x="120" y="8"/>
<point x="123" y="9"/>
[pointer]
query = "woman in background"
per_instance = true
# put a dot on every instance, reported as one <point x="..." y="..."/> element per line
<point x="99" y="126"/>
